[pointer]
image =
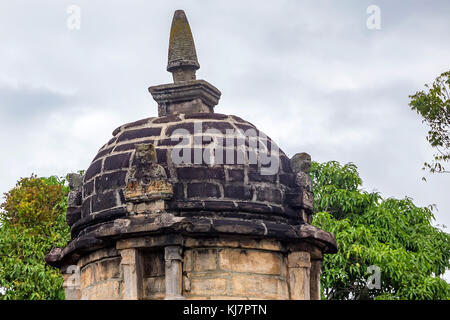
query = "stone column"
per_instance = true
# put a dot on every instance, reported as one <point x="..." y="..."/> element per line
<point x="173" y="272"/>
<point x="316" y="270"/>
<point x="299" y="266"/>
<point x="131" y="266"/>
<point x="71" y="284"/>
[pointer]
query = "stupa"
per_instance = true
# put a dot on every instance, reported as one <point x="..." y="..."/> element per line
<point x="192" y="204"/>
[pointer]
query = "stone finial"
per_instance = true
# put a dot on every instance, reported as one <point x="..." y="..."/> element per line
<point x="182" y="55"/>
<point x="186" y="95"/>
<point x="301" y="162"/>
<point x="75" y="180"/>
<point x="74" y="198"/>
<point x="301" y="197"/>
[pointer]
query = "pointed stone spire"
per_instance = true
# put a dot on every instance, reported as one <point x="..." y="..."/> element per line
<point x="182" y="56"/>
<point x="186" y="95"/>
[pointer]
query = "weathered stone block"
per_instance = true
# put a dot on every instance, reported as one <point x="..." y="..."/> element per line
<point x="205" y="259"/>
<point x="287" y="179"/>
<point x="149" y="207"/>
<point x="118" y="161"/>
<point x="97" y="255"/>
<point x="139" y="133"/>
<point x="88" y="275"/>
<point x="161" y="155"/>
<point x="238" y="227"/>
<point x="251" y="261"/>
<point x="260" y="244"/>
<point x="299" y="283"/>
<point x="210" y="242"/>
<point x="299" y="259"/>
<point x="74" y="198"/>
<point x="208" y="286"/>
<point x="220" y="126"/>
<point x="73" y="215"/>
<point x="154" y="288"/>
<point x="108" y="269"/>
<point x="254" y="207"/>
<point x="303" y="179"/>
<point x="300" y="198"/>
<point x="188" y="260"/>
<point x="256" y="176"/>
<point x="217" y="205"/>
<point x="178" y="141"/>
<point x="180" y="127"/>
<point x="189" y="173"/>
<point x="301" y="162"/>
<point x="104" y="151"/>
<point x="203" y="190"/>
<point x="86" y="207"/>
<point x="75" y="181"/>
<point x="112" y="180"/>
<point x="103" y="201"/>
<point x="235" y="175"/>
<point x="109" y="290"/>
<point x="315" y="279"/>
<point x="285" y="163"/>
<point x="270" y="195"/>
<point x="260" y="286"/>
<point x="88" y="189"/>
<point x="238" y="192"/>
<point x="93" y="169"/>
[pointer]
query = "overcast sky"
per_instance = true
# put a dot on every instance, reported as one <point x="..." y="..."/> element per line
<point x="309" y="74"/>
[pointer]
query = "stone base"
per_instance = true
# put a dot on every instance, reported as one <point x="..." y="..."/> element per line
<point x="198" y="268"/>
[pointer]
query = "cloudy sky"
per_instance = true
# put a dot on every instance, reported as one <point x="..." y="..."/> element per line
<point x="310" y="74"/>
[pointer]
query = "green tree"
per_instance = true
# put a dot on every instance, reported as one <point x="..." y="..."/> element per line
<point x="394" y="235"/>
<point x="434" y="107"/>
<point x="32" y="222"/>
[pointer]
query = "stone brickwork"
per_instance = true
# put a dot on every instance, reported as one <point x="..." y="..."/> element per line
<point x="239" y="187"/>
<point x="101" y="277"/>
<point x="234" y="270"/>
<point x="210" y="268"/>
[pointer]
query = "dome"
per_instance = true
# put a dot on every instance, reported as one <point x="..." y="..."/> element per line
<point x="236" y="196"/>
<point x="230" y="187"/>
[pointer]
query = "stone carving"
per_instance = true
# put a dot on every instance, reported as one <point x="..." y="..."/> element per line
<point x="301" y="196"/>
<point x="301" y="162"/>
<point x="147" y="181"/>
<point x="74" y="198"/>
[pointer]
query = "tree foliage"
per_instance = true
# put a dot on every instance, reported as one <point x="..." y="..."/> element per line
<point x="392" y="234"/>
<point x="434" y="107"/>
<point x="32" y="222"/>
